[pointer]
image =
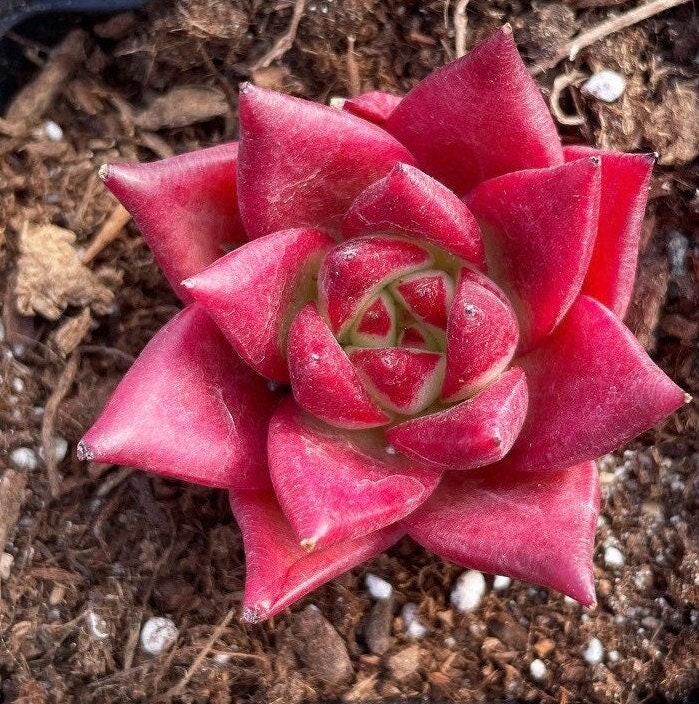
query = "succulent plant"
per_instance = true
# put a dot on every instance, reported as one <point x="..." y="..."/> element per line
<point x="417" y="329"/>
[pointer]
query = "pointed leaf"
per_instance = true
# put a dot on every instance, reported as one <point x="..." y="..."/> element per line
<point x="301" y="164"/>
<point x="471" y="434"/>
<point x="540" y="229"/>
<point x="355" y="271"/>
<point x="478" y="117"/>
<point x="376" y="324"/>
<point x="375" y="106"/>
<point x="427" y="295"/>
<point x="324" y="381"/>
<point x="417" y="337"/>
<point x="185" y="206"/>
<point x="537" y="527"/>
<point x="411" y="203"/>
<point x="335" y="485"/>
<point x="278" y="571"/>
<point x="188" y="408"/>
<point x="254" y="293"/>
<point x="592" y="388"/>
<point x="624" y="194"/>
<point x="481" y="336"/>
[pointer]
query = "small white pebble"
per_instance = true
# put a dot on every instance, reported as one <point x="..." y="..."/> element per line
<point x="414" y="628"/>
<point x="605" y="85"/>
<point x="450" y="641"/>
<point x="594" y="652"/>
<point x="468" y="591"/>
<point x="23" y="458"/>
<point x="17" y="385"/>
<point x="158" y="635"/>
<point x="570" y="601"/>
<point x="537" y="670"/>
<point x="613" y="656"/>
<point x="500" y="583"/>
<point x="613" y="557"/>
<point x="97" y="626"/>
<point x="6" y="561"/>
<point x="38" y="411"/>
<point x="60" y="449"/>
<point x="53" y="131"/>
<point x="222" y="658"/>
<point x="337" y="102"/>
<point x="378" y="588"/>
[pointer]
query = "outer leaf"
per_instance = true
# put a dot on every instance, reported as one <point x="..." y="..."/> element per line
<point x="592" y="388"/>
<point x="335" y="485"/>
<point x="625" y="182"/>
<point x="540" y="229"/>
<point x="482" y="336"/>
<point x="323" y="379"/>
<point x="185" y="206"/>
<point x="478" y="117"/>
<point x="375" y="106"/>
<point x="188" y="408"/>
<point x="354" y="272"/>
<point x="409" y="202"/>
<point x="278" y="570"/>
<point x="254" y="293"/>
<point x="539" y="527"/>
<point x="471" y="434"/>
<point x="301" y="164"/>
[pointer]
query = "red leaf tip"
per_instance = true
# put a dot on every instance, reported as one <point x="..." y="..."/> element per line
<point x="85" y="452"/>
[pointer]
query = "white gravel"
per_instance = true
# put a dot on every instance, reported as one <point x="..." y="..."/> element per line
<point x="500" y="583"/>
<point x="17" y="385"/>
<point x="468" y="591"/>
<point x="24" y="459"/>
<point x="53" y="131"/>
<point x="594" y="652"/>
<point x="60" y="449"/>
<point x="537" y="670"/>
<point x="414" y="628"/>
<point x="613" y="558"/>
<point x="607" y="86"/>
<point x="378" y="588"/>
<point x="158" y="635"/>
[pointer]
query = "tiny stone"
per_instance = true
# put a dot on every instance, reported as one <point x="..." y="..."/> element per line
<point x="500" y="583"/>
<point x="569" y="601"/>
<point x="537" y="670"/>
<point x="53" y="131"/>
<point x="594" y="652"/>
<point x="450" y="641"/>
<point x="23" y="458"/>
<point x="468" y="591"/>
<point x="17" y="385"/>
<point x="613" y="557"/>
<point x="6" y="561"/>
<point x="613" y="656"/>
<point x="158" y="635"/>
<point x="378" y="588"/>
<point x="38" y="411"/>
<point x="60" y="449"/>
<point x="414" y="628"/>
<point x="337" y="102"/>
<point x="2" y="332"/>
<point x="605" y="85"/>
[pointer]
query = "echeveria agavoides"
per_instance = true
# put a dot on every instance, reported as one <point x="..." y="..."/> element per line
<point x="418" y="330"/>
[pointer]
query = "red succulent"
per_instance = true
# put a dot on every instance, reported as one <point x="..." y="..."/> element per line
<point x="418" y="330"/>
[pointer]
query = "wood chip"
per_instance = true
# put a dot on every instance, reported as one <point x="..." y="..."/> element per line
<point x="51" y="277"/>
<point x="12" y="486"/>
<point x="185" y="105"/>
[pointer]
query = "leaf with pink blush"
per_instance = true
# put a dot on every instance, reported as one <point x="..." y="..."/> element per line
<point x="417" y="337"/>
<point x="409" y="202"/>
<point x="402" y="380"/>
<point x="592" y="388"/>
<point x="537" y="527"/>
<point x="375" y="106"/>
<point x="324" y="381"/>
<point x="427" y="295"/>
<point x="189" y="408"/>
<point x="624" y="194"/>
<point x="482" y="336"/>
<point x="539" y="239"/>
<point x="301" y="164"/>
<point x="375" y="326"/>
<point x="354" y="272"/>
<point x="471" y="434"/>
<point x="254" y="293"/>
<point x="278" y="571"/>
<point x="186" y="208"/>
<point x="478" y="117"/>
<point x="335" y="485"/>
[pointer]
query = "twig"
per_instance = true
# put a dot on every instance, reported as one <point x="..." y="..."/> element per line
<point x="460" y="22"/>
<point x="563" y="81"/>
<point x="571" y="49"/>
<point x="285" y="42"/>
<point x="353" y="79"/>
<point x="47" y="425"/>
<point x="109" y="231"/>
<point x="112" y="481"/>
<point x="177" y="689"/>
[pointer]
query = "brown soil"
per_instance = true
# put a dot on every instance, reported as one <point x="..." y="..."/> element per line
<point x="95" y="551"/>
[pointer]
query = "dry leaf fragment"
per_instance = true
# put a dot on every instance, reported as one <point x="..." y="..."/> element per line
<point x="51" y="277"/>
<point x="182" y="106"/>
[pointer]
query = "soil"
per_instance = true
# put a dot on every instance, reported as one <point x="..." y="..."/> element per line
<point x="90" y="552"/>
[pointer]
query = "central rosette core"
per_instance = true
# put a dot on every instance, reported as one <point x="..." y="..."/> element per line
<point x="418" y="327"/>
